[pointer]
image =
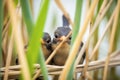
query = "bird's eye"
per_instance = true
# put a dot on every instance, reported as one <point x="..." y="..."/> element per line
<point x="56" y="35"/>
<point x="69" y="38"/>
<point x="48" y="41"/>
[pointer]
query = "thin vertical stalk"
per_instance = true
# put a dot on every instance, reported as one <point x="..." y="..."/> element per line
<point x="98" y="19"/>
<point x="73" y="53"/>
<point x="9" y="56"/>
<point x="1" y="25"/>
<point x="18" y="40"/>
<point x="27" y="15"/>
<point x="112" y="37"/>
<point x="95" y="73"/>
<point x="77" y="21"/>
<point x="34" y="44"/>
<point x="102" y="36"/>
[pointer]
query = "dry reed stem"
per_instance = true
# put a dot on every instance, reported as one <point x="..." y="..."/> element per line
<point x="98" y="19"/>
<point x="92" y="66"/>
<point x="86" y="64"/>
<point x="103" y="6"/>
<point x="64" y="12"/>
<point x="9" y="57"/>
<point x="5" y="28"/>
<point x="76" y="44"/>
<point x="86" y="11"/>
<point x="114" y="55"/>
<point x="112" y="37"/>
<point x="18" y="67"/>
<point x="53" y="53"/>
<point x="57" y="69"/>
<point x="102" y="36"/>
<point x="88" y="76"/>
<point x="5" y="39"/>
<point x="5" y="48"/>
<point x="18" y="40"/>
<point x="24" y="34"/>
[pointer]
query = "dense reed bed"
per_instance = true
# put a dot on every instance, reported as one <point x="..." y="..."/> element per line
<point x="18" y="30"/>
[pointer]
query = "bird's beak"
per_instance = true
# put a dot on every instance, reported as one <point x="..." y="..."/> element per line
<point x="42" y="41"/>
<point x="55" y="40"/>
<point x="62" y="38"/>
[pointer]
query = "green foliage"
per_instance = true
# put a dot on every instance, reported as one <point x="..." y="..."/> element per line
<point x="27" y="15"/>
<point x="34" y="44"/>
<point x="75" y="31"/>
<point x="15" y="2"/>
<point x="117" y="36"/>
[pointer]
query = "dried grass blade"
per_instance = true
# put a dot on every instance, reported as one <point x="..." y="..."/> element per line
<point x="18" y="41"/>
<point x="34" y="44"/>
<point x="112" y="37"/>
<point x="74" y="50"/>
<point x="9" y="56"/>
<point x="102" y="36"/>
<point x="98" y="19"/>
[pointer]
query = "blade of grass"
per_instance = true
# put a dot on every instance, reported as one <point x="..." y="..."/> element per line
<point x="27" y="15"/>
<point x="1" y="24"/>
<point x="95" y="36"/>
<point x="75" y="30"/>
<point x="98" y="19"/>
<point x="34" y="45"/>
<point x="9" y="56"/>
<point x="77" y="19"/>
<point x="117" y="36"/>
<point x="103" y="10"/>
<point x="18" y="40"/>
<point x="76" y="45"/>
<point x="9" y="53"/>
<point x="54" y="52"/>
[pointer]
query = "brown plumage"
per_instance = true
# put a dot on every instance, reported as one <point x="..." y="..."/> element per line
<point x="46" y="46"/>
<point x="63" y="52"/>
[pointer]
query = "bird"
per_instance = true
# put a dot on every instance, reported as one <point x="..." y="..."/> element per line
<point x="59" y="34"/>
<point x="45" y="45"/>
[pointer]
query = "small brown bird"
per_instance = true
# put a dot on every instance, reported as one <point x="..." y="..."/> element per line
<point x="63" y="52"/>
<point x="46" y="45"/>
